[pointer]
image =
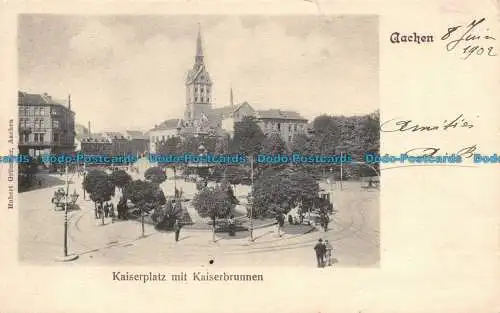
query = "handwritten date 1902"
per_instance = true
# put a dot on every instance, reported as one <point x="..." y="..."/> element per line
<point x="469" y="39"/>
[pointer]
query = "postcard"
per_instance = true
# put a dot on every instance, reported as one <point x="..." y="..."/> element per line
<point x="281" y="156"/>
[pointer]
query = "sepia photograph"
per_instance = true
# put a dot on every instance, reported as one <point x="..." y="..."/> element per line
<point x="189" y="140"/>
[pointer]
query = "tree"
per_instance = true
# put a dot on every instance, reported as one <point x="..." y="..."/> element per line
<point x="274" y="144"/>
<point x="212" y="202"/>
<point x="120" y="178"/>
<point x="99" y="186"/>
<point x="277" y="191"/>
<point x="170" y="213"/>
<point x="155" y="175"/>
<point x="248" y="137"/>
<point x="143" y="194"/>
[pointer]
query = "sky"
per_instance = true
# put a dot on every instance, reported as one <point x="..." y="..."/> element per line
<point x="128" y="72"/>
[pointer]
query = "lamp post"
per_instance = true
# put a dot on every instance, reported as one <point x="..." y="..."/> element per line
<point x="66" y="257"/>
<point x="251" y="198"/>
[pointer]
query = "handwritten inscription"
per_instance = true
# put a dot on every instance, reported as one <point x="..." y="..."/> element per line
<point x="467" y="152"/>
<point x="413" y="38"/>
<point x="397" y="125"/>
<point x="470" y="40"/>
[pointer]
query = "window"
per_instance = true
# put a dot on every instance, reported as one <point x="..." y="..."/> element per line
<point x="41" y="137"/>
<point x="36" y="137"/>
<point x="56" y="137"/>
<point x="55" y="124"/>
<point x="279" y="126"/>
<point x="42" y="111"/>
<point x="196" y="99"/>
<point x="289" y="138"/>
<point x="208" y="99"/>
<point x="26" y="137"/>
<point x="295" y="127"/>
<point x="196" y="89"/>
<point x="289" y="127"/>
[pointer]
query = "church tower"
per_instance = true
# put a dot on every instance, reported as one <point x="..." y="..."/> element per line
<point x="198" y="86"/>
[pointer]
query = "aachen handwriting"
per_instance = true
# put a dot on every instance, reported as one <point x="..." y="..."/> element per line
<point x="413" y="38"/>
<point x="470" y="40"/>
<point x="397" y="125"/>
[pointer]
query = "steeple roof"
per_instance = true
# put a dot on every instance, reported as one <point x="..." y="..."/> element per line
<point x="199" y="47"/>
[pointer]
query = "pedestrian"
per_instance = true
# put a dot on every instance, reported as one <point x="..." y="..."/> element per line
<point x="320" y="252"/>
<point x="98" y="211"/>
<point x="328" y="253"/>
<point x="112" y="211"/>
<point x="327" y="220"/>
<point x="106" y="210"/>
<point x="231" y="225"/>
<point x="177" y="229"/>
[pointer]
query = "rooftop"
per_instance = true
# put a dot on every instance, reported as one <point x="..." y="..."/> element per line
<point x="279" y="114"/>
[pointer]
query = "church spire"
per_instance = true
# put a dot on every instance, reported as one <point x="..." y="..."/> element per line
<point x="199" y="48"/>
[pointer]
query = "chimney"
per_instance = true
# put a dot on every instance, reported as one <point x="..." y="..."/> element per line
<point x="90" y="133"/>
<point x="69" y="102"/>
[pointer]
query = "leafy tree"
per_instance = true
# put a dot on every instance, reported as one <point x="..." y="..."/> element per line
<point x="277" y="191"/>
<point x="120" y="178"/>
<point x="144" y="195"/>
<point x="212" y="202"/>
<point x="155" y="175"/>
<point x="248" y="137"/>
<point x="99" y="186"/>
<point x="169" y="214"/>
<point x="27" y="172"/>
<point x="274" y="144"/>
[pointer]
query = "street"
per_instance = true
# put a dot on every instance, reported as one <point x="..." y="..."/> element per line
<point x="353" y="232"/>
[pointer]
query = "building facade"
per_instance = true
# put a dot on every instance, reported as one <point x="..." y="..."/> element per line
<point x="287" y="124"/>
<point x="160" y="133"/>
<point x="46" y="126"/>
<point x="115" y="143"/>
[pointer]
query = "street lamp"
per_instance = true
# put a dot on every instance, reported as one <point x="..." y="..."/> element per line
<point x="67" y="257"/>
<point x="251" y="198"/>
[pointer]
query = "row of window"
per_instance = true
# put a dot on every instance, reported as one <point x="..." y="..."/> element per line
<point x="161" y="138"/>
<point x="32" y="110"/>
<point x="26" y="123"/>
<point x="201" y="89"/>
<point x="272" y="125"/>
<point x="38" y="137"/>
<point x="201" y="99"/>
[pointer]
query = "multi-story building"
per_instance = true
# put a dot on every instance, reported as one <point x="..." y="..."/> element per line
<point x="115" y="143"/>
<point x="162" y="132"/>
<point x="138" y="142"/>
<point x="46" y="126"/>
<point x="286" y="123"/>
<point x="96" y="144"/>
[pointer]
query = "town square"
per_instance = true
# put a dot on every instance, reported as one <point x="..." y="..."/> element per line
<point x="228" y="182"/>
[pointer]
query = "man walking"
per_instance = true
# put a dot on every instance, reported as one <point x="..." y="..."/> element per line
<point x="177" y="229"/>
<point x="320" y="252"/>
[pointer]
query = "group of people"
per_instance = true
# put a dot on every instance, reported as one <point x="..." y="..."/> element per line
<point x="107" y="209"/>
<point x="324" y="253"/>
